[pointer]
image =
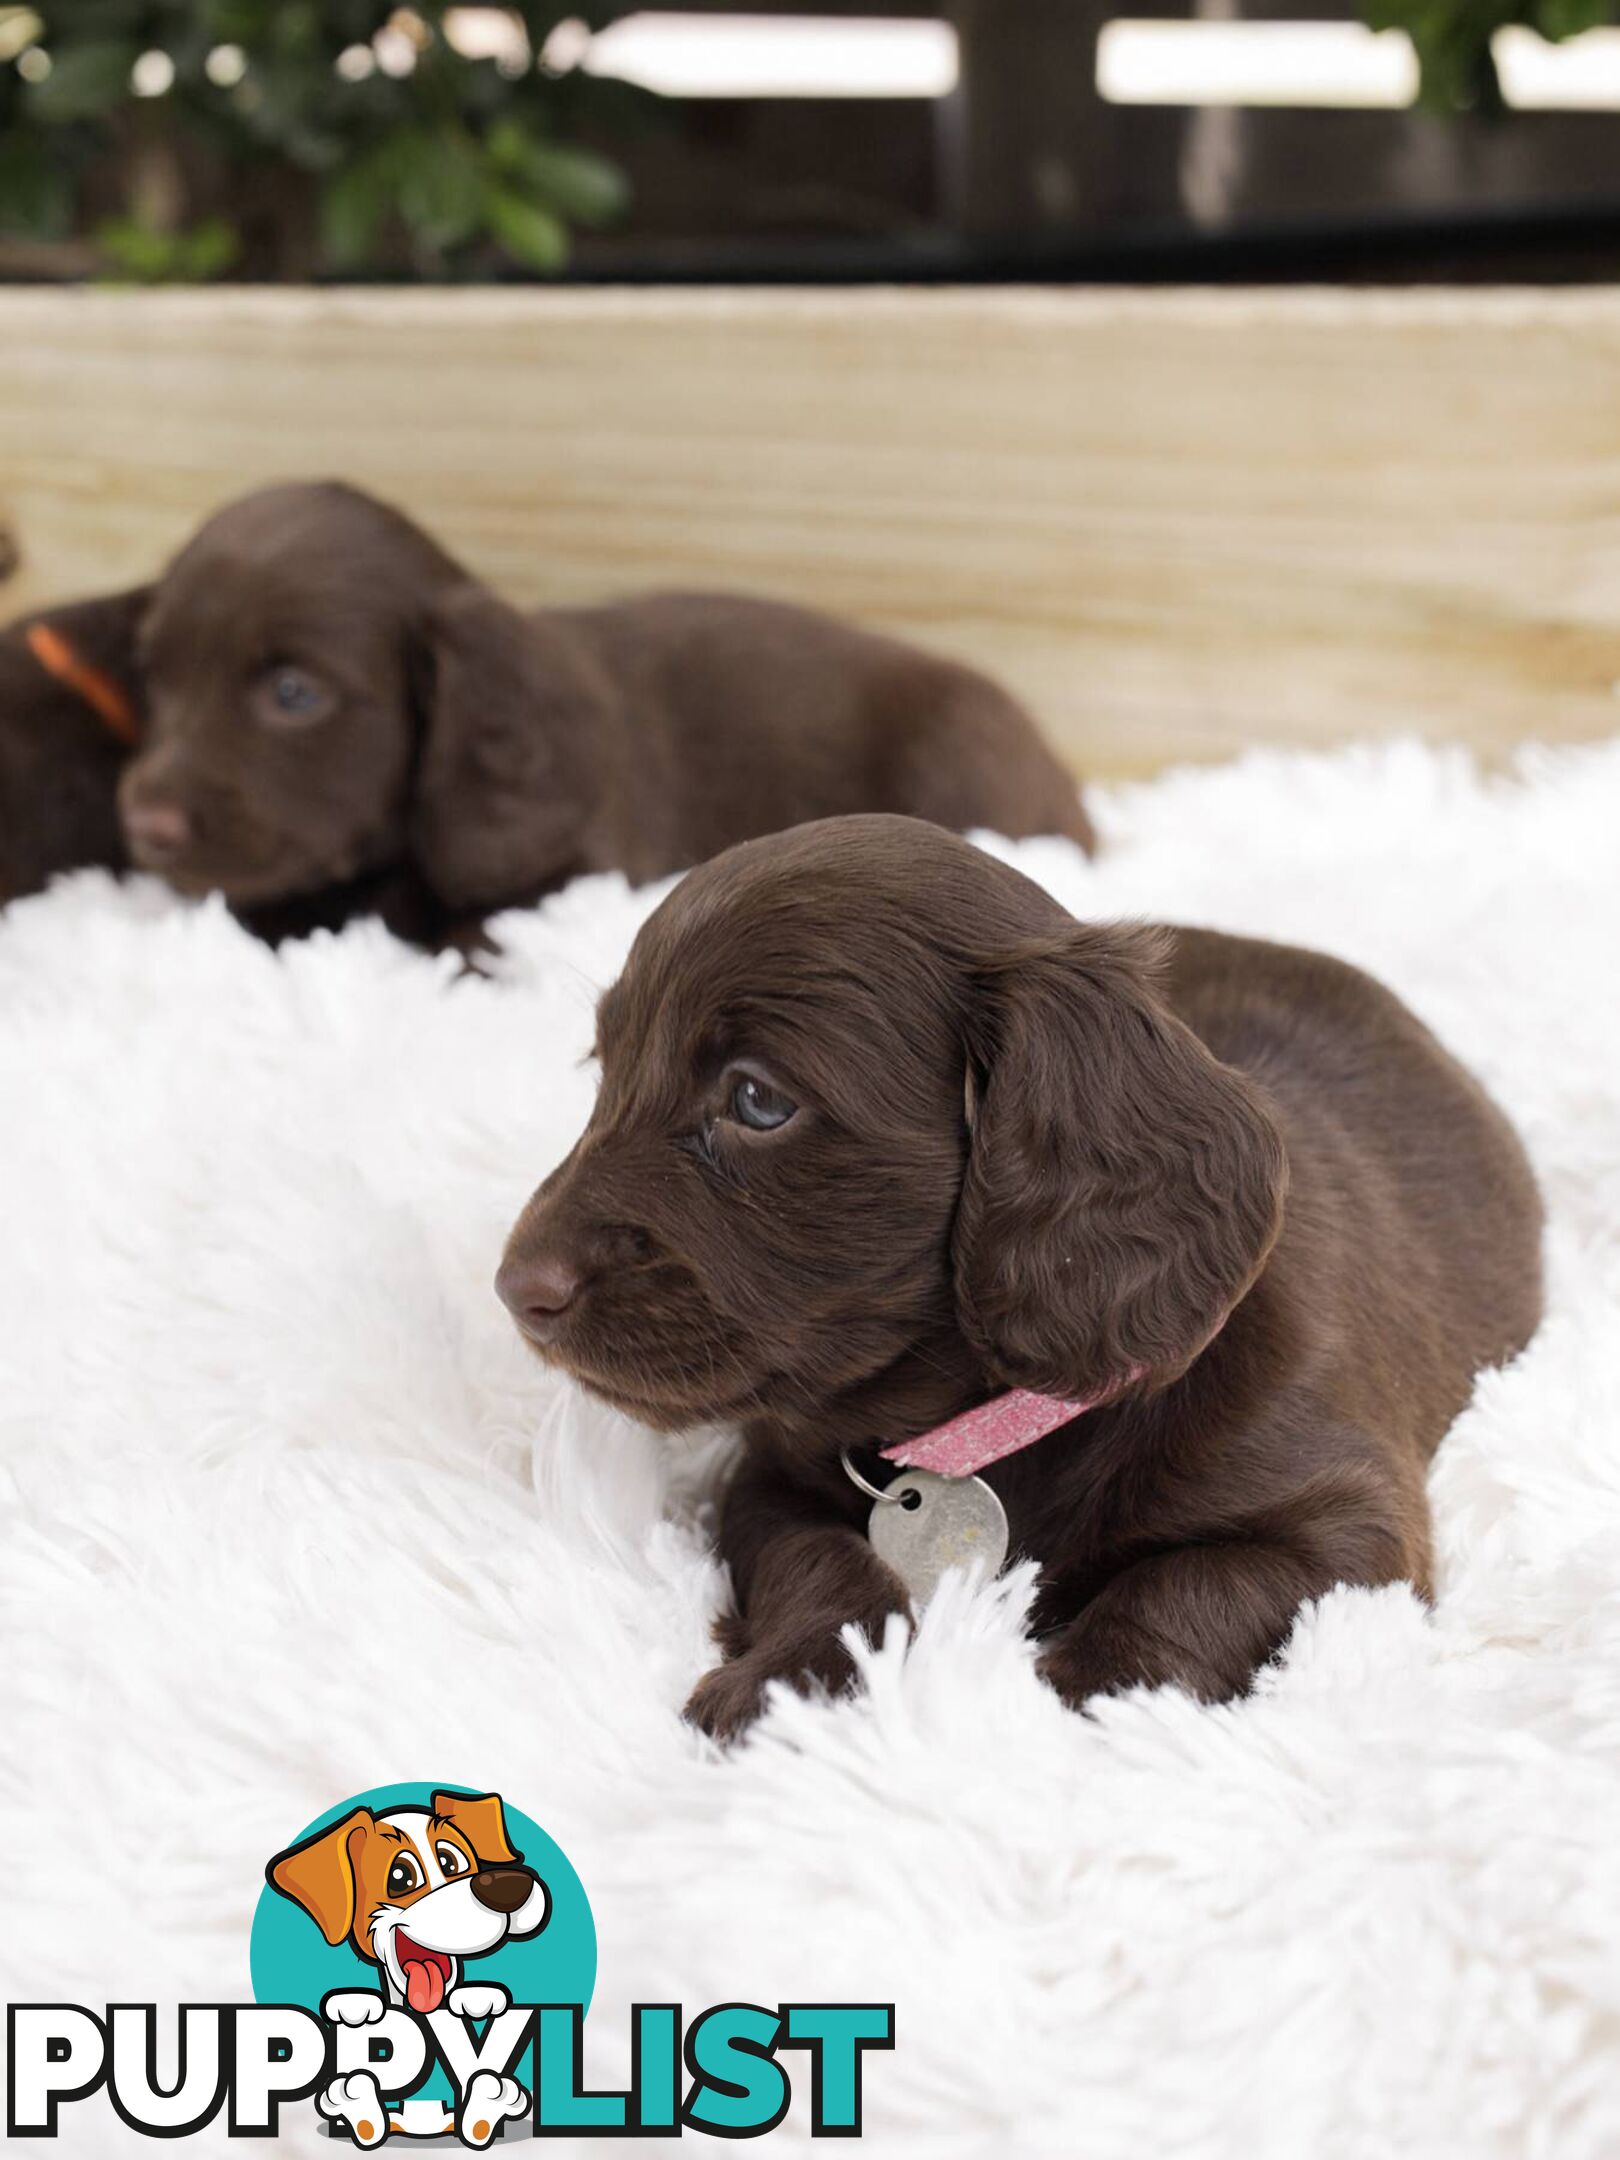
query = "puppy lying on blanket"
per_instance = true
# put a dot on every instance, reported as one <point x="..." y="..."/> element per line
<point x="337" y="710"/>
<point x="69" y="719"/>
<point x="883" y="1132"/>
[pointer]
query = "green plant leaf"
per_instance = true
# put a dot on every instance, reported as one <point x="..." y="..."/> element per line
<point x="1452" y="39"/>
<point x="452" y="154"/>
<point x="209" y="250"/>
<point x="148" y="256"/>
<point x="527" y="231"/>
<point x="131" y="250"/>
<point x="85" y="81"/>
<point x="577" y="184"/>
<point x="354" y="203"/>
<point x="441" y="187"/>
<point x="36" y="195"/>
<point x="1569" y="18"/>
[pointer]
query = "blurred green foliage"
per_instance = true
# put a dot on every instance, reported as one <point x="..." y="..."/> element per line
<point x="293" y="140"/>
<point x="1453" y="40"/>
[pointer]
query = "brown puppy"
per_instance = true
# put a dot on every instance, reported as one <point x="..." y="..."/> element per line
<point x="69" y="719"/>
<point x="883" y="1131"/>
<point x="335" y="704"/>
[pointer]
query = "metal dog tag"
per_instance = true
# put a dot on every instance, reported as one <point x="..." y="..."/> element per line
<point x="925" y="1524"/>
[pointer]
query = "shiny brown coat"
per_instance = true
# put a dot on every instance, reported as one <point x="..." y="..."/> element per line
<point x="1238" y="1183"/>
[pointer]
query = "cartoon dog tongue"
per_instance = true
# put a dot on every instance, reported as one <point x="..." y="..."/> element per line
<point x="424" y="1984"/>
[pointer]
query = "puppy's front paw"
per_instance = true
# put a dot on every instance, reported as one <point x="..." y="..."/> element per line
<point x="352" y="2006"/>
<point x="1088" y="1660"/>
<point x="478" y="2001"/>
<point x="726" y="1702"/>
<point x="487" y="2103"/>
<point x="357" y="2100"/>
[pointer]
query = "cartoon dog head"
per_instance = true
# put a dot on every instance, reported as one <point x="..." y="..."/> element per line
<point x="416" y="1890"/>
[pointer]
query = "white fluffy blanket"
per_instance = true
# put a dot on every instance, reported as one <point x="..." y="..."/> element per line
<point x="288" y="1512"/>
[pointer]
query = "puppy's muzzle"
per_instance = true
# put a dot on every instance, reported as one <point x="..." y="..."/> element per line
<point x="158" y="832"/>
<point x="538" y="1293"/>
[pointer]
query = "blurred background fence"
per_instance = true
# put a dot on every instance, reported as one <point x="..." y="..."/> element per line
<point x="1178" y="523"/>
<point x="160" y="140"/>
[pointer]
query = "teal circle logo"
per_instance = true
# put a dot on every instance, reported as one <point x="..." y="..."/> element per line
<point x="313" y="1931"/>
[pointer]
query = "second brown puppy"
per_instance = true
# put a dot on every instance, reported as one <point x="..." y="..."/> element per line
<point x="334" y="705"/>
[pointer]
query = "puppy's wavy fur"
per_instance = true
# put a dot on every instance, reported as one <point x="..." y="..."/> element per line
<point x="454" y="756"/>
<point x="1236" y="1186"/>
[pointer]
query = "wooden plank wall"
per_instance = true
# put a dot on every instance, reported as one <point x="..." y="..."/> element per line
<point x="1178" y="523"/>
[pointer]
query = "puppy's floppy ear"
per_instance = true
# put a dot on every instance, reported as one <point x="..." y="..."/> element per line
<point x="481" y="1819"/>
<point x="90" y="647"/>
<point x="510" y="710"/>
<point x="105" y="629"/>
<point x="1123" y="1187"/>
<point x="320" y="1873"/>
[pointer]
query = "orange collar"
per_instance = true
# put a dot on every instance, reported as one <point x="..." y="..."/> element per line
<point x="94" y="685"/>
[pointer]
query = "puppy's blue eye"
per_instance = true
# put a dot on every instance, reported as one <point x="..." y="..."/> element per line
<point x="293" y="691"/>
<point x="758" y="1106"/>
<point x="288" y="696"/>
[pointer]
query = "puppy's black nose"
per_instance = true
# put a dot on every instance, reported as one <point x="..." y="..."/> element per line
<point x="160" y="830"/>
<point x="502" y="1889"/>
<point x="537" y="1293"/>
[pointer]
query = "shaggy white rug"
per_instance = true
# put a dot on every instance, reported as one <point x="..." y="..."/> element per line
<point x="288" y="1512"/>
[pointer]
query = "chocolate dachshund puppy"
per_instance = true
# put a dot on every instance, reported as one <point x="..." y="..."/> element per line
<point x="883" y="1131"/>
<point x="339" y="716"/>
<point x="69" y="719"/>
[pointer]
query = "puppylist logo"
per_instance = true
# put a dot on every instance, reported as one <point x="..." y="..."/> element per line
<point x="422" y="1962"/>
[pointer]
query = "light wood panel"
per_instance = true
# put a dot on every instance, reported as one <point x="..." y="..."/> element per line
<point x="1177" y="523"/>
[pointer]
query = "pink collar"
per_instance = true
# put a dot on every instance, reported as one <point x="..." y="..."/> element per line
<point x="967" y="1444"/>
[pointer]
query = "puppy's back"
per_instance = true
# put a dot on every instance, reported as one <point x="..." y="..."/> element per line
<point x="1411" y="1198"/>
<point x="772" y="715"/>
